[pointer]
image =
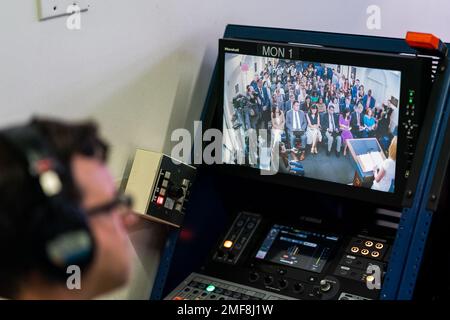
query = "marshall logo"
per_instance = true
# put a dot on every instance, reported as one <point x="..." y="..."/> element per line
<point x="231" y="49"/>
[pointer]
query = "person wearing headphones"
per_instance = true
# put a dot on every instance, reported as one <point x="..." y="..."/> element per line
<point x="60" y="211"/>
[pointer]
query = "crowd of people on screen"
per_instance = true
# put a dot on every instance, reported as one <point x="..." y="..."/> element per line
<point x="305" y="105"/>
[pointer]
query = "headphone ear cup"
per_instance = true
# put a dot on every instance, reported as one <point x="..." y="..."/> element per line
<point x="57" y="233"/>
<point x="65" y="237"/>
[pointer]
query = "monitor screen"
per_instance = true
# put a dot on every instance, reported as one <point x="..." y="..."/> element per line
<point x="320" y="120"/>
<point x="297" y="248"/>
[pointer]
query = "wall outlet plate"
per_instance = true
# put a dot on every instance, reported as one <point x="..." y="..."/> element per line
<point x="49" y="9"/>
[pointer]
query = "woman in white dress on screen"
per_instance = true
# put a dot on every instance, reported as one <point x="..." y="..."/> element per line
<point x="313" y="134"/>
<point x="278" y="122"/>
<point x="384" y="175"/>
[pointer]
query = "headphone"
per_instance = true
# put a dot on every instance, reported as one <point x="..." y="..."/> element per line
<point x="59" y="233"/>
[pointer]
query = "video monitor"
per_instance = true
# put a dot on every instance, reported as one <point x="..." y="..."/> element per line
<point x="332" y="117"/>
<point x="296" y="248"/>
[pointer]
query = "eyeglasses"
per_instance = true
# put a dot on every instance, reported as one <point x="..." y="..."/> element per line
<point x="122" y="202"/>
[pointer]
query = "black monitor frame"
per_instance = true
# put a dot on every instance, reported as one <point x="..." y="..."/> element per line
<point x="415" y="75"/>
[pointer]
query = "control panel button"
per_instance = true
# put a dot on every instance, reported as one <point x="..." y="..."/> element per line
<point x="169" y="203"/>
<point x="379" y="246"/>
<point x="344" y="270"/>
<point x="299" y="288"/>
<point x="160" y="201"/>
<point x="368" y="243"/>
<point x="254" y="276"/>
<point x="282" y="283"/>
<point x="228" y="244"/>
<point x="240" y="223"/>
<point x="268" y="280"/>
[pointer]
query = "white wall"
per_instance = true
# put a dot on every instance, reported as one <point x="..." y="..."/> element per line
<point x="383" y="83"/>
<point x="141" y="68"/>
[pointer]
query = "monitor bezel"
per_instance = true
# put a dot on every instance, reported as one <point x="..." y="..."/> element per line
<point x="412" y="77"/>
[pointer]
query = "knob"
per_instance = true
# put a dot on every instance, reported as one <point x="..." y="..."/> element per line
<point x="282" y="283"/>
<point x="299" y="288"/>
<point x="325" y="286"/>
<point x="253" y="276"/>
<point x="268" y="280"/>
<point x="175" y="191"/>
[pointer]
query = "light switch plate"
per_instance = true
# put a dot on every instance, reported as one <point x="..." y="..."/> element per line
<point x="49" y="9"/>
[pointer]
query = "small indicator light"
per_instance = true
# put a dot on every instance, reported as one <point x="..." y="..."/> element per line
<point x="210" y="288"/>
<point x="160" y="200"/>
<point x="228" y="244"/>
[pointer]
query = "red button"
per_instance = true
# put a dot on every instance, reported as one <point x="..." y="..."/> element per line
<point x="160" y="200"/>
